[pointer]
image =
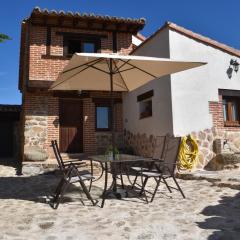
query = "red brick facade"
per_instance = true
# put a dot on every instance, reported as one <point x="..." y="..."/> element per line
<point x="216" y="109"/>
<point x="40" y="64"/>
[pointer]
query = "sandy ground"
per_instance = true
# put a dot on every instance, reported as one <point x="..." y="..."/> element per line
<point x="208" y="212"/>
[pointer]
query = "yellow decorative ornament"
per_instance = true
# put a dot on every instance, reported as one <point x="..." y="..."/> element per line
<point x="188" y="153"/>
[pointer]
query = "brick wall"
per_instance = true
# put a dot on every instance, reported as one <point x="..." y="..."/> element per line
<point x="216" y="109"/>
<point x="43" y="68"/>
<point x="41" y="110"/>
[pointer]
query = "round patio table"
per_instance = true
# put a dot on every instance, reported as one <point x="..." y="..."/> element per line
<point x="114" y="167"/>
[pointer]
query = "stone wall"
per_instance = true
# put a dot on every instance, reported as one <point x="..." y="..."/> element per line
<point x="206" y="140"/>
<point x="144" y="145"/>
<point x="36" y="121"/>
<point x="104" y="140"/>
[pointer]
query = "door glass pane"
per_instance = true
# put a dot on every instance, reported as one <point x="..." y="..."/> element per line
<point x="102" y="117"/>
<point x="88" y="47"/>
<point x="234" y="111"/>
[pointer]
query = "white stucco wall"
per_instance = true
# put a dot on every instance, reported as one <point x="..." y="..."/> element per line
<point x="160" y="123"/>
<point x="193" y="89"/>
<point x="136" y="41"/>
<point x="181" y="101"/>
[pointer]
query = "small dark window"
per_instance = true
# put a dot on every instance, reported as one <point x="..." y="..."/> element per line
<point x="74" y="46"/>
<point x="231" y="107"/>
<point x="78" y="45"/>
<point x="145" y="108"/>
<point x="103" y="118"/>
<point x="88" y="47"/>
<point x="145" y="104"/>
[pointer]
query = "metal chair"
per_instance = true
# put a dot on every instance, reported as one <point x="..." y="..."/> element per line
<point x="162" y="167"/>
<point x="70" y="174"/>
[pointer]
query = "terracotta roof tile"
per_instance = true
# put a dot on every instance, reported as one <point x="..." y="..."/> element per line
<point x="38" y="10"/>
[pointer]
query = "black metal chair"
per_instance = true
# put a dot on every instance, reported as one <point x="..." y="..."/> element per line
<point x="162" y="167"/>
<point x="70" y="174"/>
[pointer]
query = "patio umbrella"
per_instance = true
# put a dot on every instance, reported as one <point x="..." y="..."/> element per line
<point x="104" y="72"/>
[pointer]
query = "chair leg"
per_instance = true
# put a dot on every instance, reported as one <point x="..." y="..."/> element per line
<point x="143" y="188"/>
<point x="85" y="190"/>
<point x="169" y="189"/>
<point x="58" y="190"/>
<point x="135" y="180"/>
<point x="121" y="177"/>
<point x="59" y="196"/>
<point x="156" y="188"/>
<point x="59" y="185"/>
<point x="90" y="185"/>
<point x="179" y="188"/>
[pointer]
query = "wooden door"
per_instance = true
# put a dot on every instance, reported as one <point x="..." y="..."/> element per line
<point x="71" y="126"/>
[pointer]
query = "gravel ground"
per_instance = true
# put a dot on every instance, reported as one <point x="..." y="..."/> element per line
<point x="208" y="212"/>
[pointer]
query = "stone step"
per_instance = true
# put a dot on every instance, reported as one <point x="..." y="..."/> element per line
<point x="32" y="168"/>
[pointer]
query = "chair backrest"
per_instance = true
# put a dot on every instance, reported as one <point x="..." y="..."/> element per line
<point x="171" y="150"/>
<point x="159" y="147"/>
<point x="58" y="155"/>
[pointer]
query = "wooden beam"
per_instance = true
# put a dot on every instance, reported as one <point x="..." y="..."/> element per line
<point x="114" y="41"/>
<point x="48" y="43"/>
<point x="83" y="35"/>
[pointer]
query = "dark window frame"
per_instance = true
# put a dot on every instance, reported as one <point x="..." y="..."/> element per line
<point x="230" y="122"/>
<point x="145" y="97"/>
<point x="145" y="114"/>
<point x="109" y="117"/>
<point x="67" y="38"/>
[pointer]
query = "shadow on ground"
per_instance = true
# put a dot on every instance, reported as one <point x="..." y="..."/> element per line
<point x="38" y="188"/>
<point x="12" y="162"/>
<point x="224" y="218"/>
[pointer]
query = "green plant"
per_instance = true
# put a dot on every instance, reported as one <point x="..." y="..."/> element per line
<point x="109" y="152"/>
<point x="4" y="37"/>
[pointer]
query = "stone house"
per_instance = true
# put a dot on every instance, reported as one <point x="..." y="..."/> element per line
<point x="78" y="120"/>
<point x="204" y="101"/>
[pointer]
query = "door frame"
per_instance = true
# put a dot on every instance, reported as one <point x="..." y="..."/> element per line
<point x="62" y="99"/>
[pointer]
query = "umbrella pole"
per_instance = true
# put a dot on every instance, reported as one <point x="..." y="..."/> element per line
<point x="114" y="175"/>
<point x="112" y="108"/>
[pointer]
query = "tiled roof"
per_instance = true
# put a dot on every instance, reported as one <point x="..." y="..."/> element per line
<point x="195" y="36"/>
<point x="10" y="108"/>
<point x="140" y="37"/>
<point x="87" y="16"/>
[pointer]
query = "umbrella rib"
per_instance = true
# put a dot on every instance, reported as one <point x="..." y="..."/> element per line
<point x="97" y="69"/>
<point x="126" y="69"/>
<point x="93" y="61"/>
<point x="121" y="77"/>
<point x="87" y="66"/>
<point x="117" y="69"/>
<point x="139" y="69"/>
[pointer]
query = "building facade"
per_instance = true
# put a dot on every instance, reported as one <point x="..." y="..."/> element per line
<point x="203" y="101"/>
<point x="79" y="121"/>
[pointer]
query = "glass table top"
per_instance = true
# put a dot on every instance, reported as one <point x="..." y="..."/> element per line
<point x="119" y="158"/>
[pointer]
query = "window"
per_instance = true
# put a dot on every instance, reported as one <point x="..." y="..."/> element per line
<point x="231" y="106"/>
<point x="74" y="44"/>
<point x="145" y="104"/>
<point x="103" y="118"/>
<point x="146" y="108"/>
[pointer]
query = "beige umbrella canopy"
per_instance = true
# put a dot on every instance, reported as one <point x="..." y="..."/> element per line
<point x="90" y="71"/>
<point x="112" y="72"/>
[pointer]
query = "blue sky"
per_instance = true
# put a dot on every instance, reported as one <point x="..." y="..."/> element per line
<point x="216" y="19"/>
